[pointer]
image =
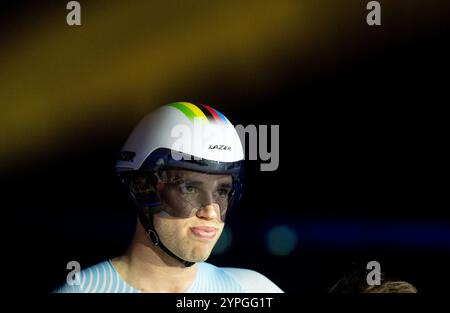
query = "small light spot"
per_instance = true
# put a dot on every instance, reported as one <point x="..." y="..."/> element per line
<point x="281" y="240"/>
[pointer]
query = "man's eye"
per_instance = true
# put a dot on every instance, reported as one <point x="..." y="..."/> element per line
<point x="187" y="188"/>
<point x="223" y="192"/>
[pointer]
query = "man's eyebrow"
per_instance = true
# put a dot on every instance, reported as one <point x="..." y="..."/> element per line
<point x="197" y="182"/>
<point x="189" y="180"/>
<point x="225" y="185"/>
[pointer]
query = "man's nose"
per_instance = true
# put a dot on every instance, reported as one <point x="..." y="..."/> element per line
<point x="209" y="209"/>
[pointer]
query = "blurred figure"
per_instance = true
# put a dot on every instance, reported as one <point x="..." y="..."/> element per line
<point x="355" y="282"/>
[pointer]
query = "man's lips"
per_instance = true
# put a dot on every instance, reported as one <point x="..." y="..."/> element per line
<point x="204" y="232"/>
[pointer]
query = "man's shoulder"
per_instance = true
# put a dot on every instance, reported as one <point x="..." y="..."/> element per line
<point x="90" y="279"/>
<point x="249" y="280"/>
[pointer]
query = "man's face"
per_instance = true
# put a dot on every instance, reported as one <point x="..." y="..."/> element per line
<point x="203" y="198"/>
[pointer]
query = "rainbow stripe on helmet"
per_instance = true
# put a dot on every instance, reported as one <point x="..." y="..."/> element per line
<point x="200" y="111"/>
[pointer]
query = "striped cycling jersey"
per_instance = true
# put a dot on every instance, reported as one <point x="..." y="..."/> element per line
<point x="103" y="278"/>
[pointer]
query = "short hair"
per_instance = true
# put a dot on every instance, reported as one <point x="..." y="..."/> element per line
<point x="391" y="287"/>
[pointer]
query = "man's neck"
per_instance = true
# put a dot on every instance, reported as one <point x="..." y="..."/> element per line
<point x="149" y="269"/>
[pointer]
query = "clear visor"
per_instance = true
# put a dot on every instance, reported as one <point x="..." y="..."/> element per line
<point x="182" y="193"/>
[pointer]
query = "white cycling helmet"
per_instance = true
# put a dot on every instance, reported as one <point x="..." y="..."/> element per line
<point x="179" y="135"/>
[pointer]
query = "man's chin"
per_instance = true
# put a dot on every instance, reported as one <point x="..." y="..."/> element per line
<point x="200" y="257"/>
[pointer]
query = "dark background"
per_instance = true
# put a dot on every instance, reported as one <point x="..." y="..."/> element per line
<point x="363" y="175"/>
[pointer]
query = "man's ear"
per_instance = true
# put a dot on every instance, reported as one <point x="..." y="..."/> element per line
<point x="157" y="182"/>
<point x="159" y="186"/>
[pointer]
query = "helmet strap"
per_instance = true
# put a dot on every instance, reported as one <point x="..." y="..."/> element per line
<point x="147" y="223"/>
